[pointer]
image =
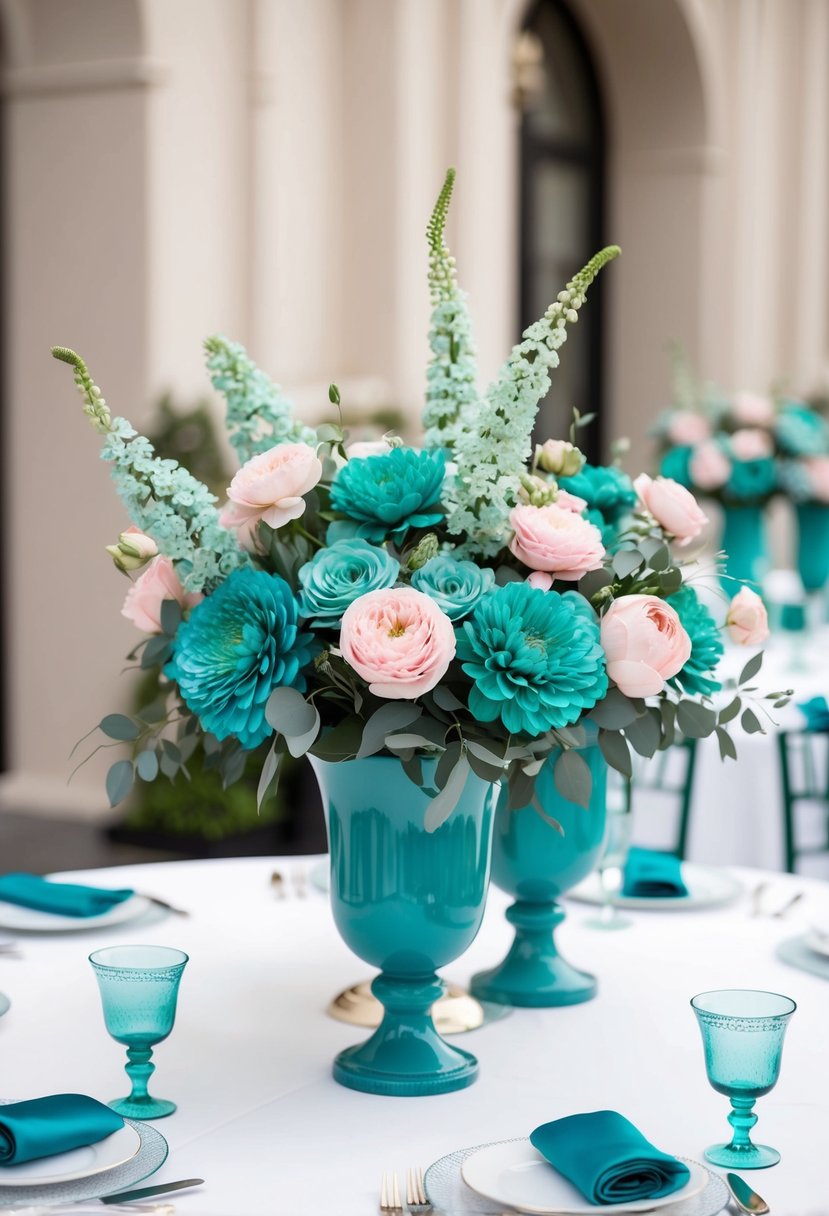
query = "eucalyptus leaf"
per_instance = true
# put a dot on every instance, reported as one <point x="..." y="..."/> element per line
<point x="119" y="781"/>
<point x="616" y="752"/>
<point x="572" y="778"/>
<point x="751" y="723"/>
<point x="232" y="766"/>
<point x="727" y="748"/>
<point x="270" y="770"/>
<point x="444" y="698"/>
<point x="341" y="743"/>
<point x="298" y="745"/>
<point x="626" y="561"/>
<point x="614" y="712"/>
<point x="645" y="734"/>
<point x="660" y="559"/>
<point x="730" y="712"/>
<point x="170" y="617"/>
<point x="521" y="789"/>
<point x="390" y="717"/>
<point x="168" y="765"/>
<point x="595" y="580"/>
<point x="487" y="772"/>
<point x="289" y="713"/>
<point x="408" y="742"/>
<point x="329" y="432"/>
<point x="440" y="808"/>
<point x="670" y="580"/>
<point x="156" y="652"/>
<point x="119" y="726"/>
<point x="506" y="574"/>
<point x="484" y="753"/>
<point x="694" y="720"/>
<point x="751" y="668"/>
<point x="147" y="765"/>
<point x="446" y="764"/>
<point x="413" y="768"/>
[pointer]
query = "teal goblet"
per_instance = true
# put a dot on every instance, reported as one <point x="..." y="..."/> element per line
<point x="139" y="990"/>
<point x="742" y="1035"/>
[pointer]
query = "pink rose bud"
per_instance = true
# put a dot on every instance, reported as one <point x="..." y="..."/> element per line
<point x="751" y="409"/>
<point x="559" y="457"/>
<point x="817" y="471"/>
<point x="673" y="507"/>
<point x="556" y="540"/>
<point x="134" y="549"/>
<point x="398" y="641"/>
<point x="644" y="643"/>
<point x="709" y="467"/>
<point x="747" y="620"/>
<point x="158" y="583"/>
<point x="540" y="580"/>
<point x="269" y="488"/>
<point x="751" y="444"/>
<point x="687" y="429"/>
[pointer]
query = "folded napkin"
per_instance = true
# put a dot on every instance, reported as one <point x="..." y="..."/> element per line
<point x="816" y="713"/>
<point x="608" y="1159"/>
<point x="650" y="874"/>
<point x="62" y="898"/>
<point x="43" y="1127"/>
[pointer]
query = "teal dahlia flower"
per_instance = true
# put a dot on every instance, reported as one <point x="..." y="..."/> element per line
<point x="800" y="431"/>
<point x="340" y="574"/>
<point x="456" y="587"/>
<point x="534" y="657"/>
<point x="706" y="643"/>
<point x="604" y="488"/>
<point x="676" y="464"/>
<point x="386" y="495"/>
<point x="751" y="480"/>
<point x="238" y="645"/>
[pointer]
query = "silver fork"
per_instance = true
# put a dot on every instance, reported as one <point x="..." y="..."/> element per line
<point x="416" y="1198"/>
<point x="390" y="1194"/>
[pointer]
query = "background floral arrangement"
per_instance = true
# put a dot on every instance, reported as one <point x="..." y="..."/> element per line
<point x="745" y="449"/>
<point x="476" y="600"/>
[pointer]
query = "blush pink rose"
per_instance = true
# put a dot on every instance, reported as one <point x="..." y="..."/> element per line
<point x="709" y="467"/>
<point x="747" y="619"/>
<point x="158" y="583"/>
<point x="687" y="429"/>
<point x="269" y="488"/>
<point x="751" y="444"/>
<point x="644" y="643"/>
<point x="398" y="640"/>
<point x="570" y="502"/>
<point x="673" y="507"/>
<point x="817" y="470"/>
<point x="556" y="540"/>
<point x="751" y="409"/>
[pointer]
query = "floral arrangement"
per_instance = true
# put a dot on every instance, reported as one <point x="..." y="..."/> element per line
<point x="745" y="449"/>
<point x="478" y="600"/>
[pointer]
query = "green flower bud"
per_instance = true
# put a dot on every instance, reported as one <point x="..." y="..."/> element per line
<point x="424" y="551"/>
<point x="559" y="457"/>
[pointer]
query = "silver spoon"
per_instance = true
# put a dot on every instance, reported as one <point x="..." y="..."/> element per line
<point x="745" y="1198"/>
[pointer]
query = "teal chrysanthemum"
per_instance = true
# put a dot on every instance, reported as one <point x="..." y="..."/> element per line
<point x="751" y="480"/>
<point x="340" y="574"/>
<point x="676" y="464"/>
<point x="384" y="496"/>
<point x="456" y="587"/>
<point x="604" y="488"/>
<point x="706" y="643"/>
<point x="238" y="645"/>
<point x="534" y="658"/>
<point x="800" y="431"/>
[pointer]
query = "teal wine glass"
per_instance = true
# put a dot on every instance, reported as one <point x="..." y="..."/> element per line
<point x="742" y="1035"/>
<point x="139" y="989"/>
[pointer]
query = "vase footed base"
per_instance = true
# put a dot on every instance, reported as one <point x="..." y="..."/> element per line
<point x="534" y="983"/>
<point x="143" y="1108"/>
<point x="455" y="1013"/>
<point x="753" y="1157"/>
<point x="456" y="1069"/>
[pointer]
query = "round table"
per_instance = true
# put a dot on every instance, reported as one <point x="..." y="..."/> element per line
<point x="249" y="1059"/>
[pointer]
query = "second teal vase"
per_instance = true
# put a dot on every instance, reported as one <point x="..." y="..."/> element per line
<point x="813" y="545"/>
<point x="408" y="902"/>
<point x="534" y="862"/>
<point x="744" y="542"/>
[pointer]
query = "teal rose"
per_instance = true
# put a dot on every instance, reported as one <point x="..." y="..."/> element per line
<point x="335" y="577"/>
<point x="456" y="587"/>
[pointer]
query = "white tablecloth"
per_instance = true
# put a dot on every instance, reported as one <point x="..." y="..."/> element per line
<point x="249" y="1059"/>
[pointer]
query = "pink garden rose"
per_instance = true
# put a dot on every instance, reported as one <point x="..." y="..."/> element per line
<point x="817" y="470"/>
<point x="398" y="640"/>
<point x="751" y="409"/>
<point x="673" y="507"/>
<point x="709" y="467"/>
<point x="570" y="502"/>
<point x="644" y="643"/>
<point x="554" y="539"/>
<point x="751" y="444"/>
<point x="159" y="582"/>
<point x="686" y="429"/>
<point x="747" y="620"/>
<point x="269" y="488"/>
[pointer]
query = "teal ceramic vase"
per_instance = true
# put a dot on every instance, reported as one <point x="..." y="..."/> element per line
<point x="813" y="545"/>
<point x="408" y="902"/>
<point x="744" y="542"/>
<point x="536" y="864"/>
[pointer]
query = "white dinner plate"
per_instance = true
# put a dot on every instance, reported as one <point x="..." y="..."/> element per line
<point x="817" y="939"/>
<point x="31" y="920"/>
<point x="708" y="887"/>
<point x="115" y="1150"/>
<point x="5" y="1004"/>
<point x="515" y="1173"/>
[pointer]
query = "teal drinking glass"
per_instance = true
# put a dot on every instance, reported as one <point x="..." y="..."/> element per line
<point x="139" y="990"/>
<point x="742" y="1035"/>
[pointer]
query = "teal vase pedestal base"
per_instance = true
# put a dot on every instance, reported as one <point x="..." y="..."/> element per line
<point x="753" y="1157"/>
<point x="406" y="1057"/>
<point x="534" y="975"/>
<point x="143" y="1108"/>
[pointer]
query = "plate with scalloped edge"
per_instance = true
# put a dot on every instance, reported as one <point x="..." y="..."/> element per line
<point x="708" y="887"/>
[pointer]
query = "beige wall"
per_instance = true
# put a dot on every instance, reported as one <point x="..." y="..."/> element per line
<point x="266" y="168"/>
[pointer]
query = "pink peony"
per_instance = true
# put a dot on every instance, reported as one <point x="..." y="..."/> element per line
<point x="686" y="429"/>
<point x="709" y="467"/>
<point x="398" y="640"/>
<point x="747" y="620"/>
<point x="817" y="470"/>
<point x="645" y="644"/>
<point x="270" y="488"/>
<point x="751" y="444"/>
<point x="159" y="582"/>
<point x="750" y="409"/>
<point x="673" y="507"/>
<point x="556" y="540"/>
<point x="570" y="502"/>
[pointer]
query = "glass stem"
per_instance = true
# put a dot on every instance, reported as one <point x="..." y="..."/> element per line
<point x="742" y="1118"/>
<point x="139" y="1070"/>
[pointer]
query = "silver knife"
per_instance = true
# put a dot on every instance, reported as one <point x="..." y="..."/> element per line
<point x="145" y="1192"/>
<point x="162" y="903"/>
<point x="747" y="1200"/>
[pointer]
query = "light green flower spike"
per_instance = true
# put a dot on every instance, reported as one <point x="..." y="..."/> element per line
<point x="494" y="445"/>
<point x="95" y="407"/>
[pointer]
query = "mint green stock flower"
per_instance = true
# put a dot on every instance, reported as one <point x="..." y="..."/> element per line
<point x="340" y="574"/>
<point x="456" y="587"/>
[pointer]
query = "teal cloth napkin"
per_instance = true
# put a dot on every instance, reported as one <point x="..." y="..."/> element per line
<point x="43" y="1127"/>
<point x="608" y="1159"/>
<point x="62" y="898"/>
<point x="651" y="875"/>
<point x="816" y="713"/>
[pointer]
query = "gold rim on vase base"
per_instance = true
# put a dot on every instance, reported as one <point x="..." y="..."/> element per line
<point x="455" y="1013"/>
